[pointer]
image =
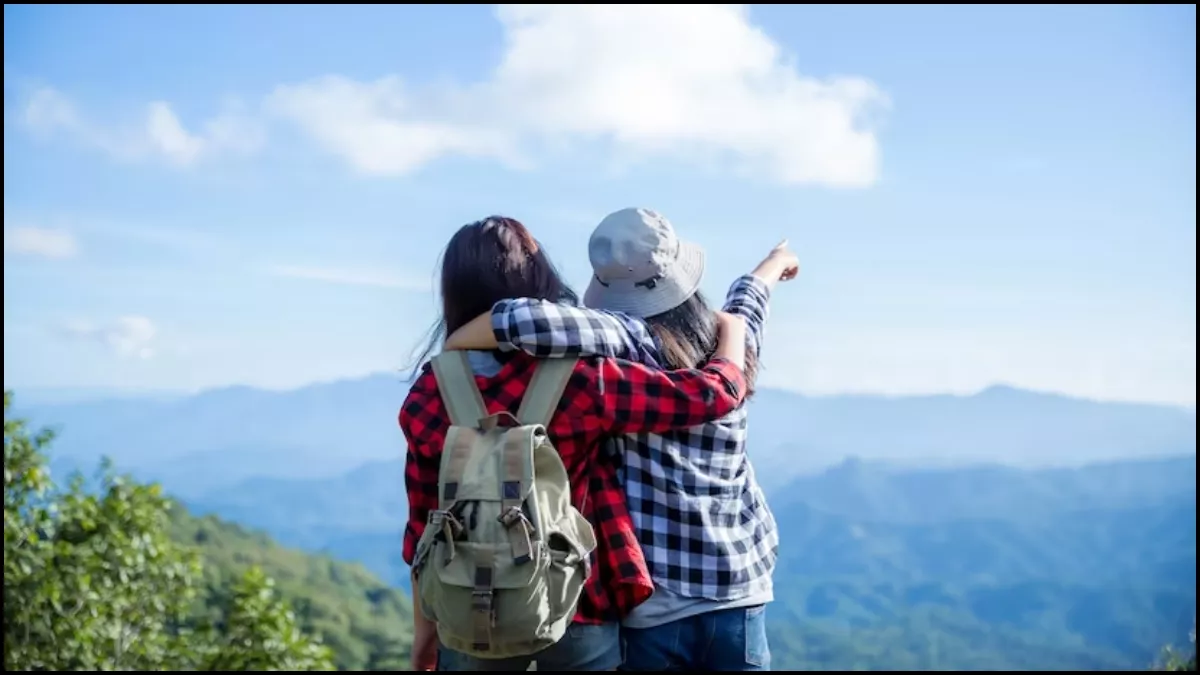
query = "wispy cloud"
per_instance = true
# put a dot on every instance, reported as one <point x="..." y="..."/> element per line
<point x="64" y="235"/>
<point x="41" y="242"/>
<point x="350" y="277"/>
<point x="159" y="135"/>
<point x="127" y="336"/>
<point x="179" y="239"/>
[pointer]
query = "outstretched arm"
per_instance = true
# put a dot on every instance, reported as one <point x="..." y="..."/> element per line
<point x="750" y="294"/>
<point x="781" y="264"/>
<point x="546" y="329"/>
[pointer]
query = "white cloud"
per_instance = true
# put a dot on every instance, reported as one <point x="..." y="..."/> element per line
<point x="161" y="135"/>
<point x="168" y="136"/>
<point x="128" y="336"/>
<point x="349" y="277"/>
<point x="38" y="241"/>
<point x="49" y="109"/>
<point x="695" y="82"/>
<point x="372" y="127"/>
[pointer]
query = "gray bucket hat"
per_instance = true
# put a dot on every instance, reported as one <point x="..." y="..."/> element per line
<point x="640" y="267"/>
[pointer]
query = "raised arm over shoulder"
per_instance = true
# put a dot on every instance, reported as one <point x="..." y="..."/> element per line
<point x="547" y="329"/>
<point x="476" y="334"/>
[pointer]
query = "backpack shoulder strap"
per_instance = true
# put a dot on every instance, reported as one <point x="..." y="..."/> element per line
<point x="541" y="399"/>
<point x="456" y="382"/>
<point x="464" y="403"/>
<point x="546" y="390"/>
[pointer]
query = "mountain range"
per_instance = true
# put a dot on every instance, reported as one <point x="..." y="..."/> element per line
<point x="1005" y="530"/>
<point x="217" y="439"/>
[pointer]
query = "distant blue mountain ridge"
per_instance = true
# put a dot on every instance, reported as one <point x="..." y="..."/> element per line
<point x="1004" y="530"/>
<point x="216" y="439"/>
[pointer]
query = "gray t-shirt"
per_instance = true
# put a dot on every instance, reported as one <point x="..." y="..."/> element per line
<point x="665" y="606"/>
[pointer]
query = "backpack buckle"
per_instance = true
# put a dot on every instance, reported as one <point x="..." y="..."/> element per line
<point x="481" y="599"/>
<point x="446" y="528"/>
<point x="445" y="522"/>
<point x="511" y="516"/>
<point x="519" y="528"/>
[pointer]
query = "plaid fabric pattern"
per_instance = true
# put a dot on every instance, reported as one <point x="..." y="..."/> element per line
<point x="701" y="517"/>
<point x="603" y="397"/>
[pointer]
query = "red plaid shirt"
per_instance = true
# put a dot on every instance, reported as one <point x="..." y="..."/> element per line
<point x="604" y="397"/>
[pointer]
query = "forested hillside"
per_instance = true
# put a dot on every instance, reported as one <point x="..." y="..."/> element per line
<point x="113" y="576"/>
<point x="1073" y="588"/>
<point x="367" y="624"/>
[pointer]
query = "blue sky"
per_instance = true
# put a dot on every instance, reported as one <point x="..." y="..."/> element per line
<point x="203" y="196"/>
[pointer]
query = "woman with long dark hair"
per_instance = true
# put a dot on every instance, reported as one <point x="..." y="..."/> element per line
<point x="497" y="258"/>
<point x="709" y="538"/>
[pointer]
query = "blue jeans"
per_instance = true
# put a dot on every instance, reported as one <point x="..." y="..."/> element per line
<point x="728" y="639"/>
<point x="584" y="647"/>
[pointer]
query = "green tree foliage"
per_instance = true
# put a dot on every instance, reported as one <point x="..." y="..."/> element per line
<point x="1178" y="660"/>
<point x="261" y="633"/>
<point x="94" y="581"/>
<point x="367" y="624"/>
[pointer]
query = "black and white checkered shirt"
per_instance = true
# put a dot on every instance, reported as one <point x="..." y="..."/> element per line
<point x="701" y="517"/>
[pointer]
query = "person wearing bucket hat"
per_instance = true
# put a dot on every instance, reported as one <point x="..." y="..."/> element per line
<point x="640" y="266"/>
<point x="712" y="575"/>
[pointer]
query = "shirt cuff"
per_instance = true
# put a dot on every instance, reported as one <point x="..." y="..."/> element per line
<point x="502" y="328"/>
<point x="409" y="549"/>
<point x="754" y="282"/>
<point x="731" y="375"/>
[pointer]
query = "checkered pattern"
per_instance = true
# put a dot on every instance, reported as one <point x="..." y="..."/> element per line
<point x="603" y="397"/>
<point x="701" y="516"/>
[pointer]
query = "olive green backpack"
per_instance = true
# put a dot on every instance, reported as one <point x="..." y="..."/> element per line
<point x="504" y="557"/>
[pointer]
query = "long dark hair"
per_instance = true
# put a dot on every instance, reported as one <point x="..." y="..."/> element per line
<point x="485" y="262"/>
<point x="688" y="334"/>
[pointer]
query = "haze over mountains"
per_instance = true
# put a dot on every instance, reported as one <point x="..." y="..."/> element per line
<point x="1005" y="530"/>
<point x="219" y="438"/>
